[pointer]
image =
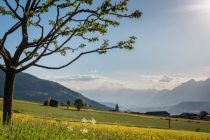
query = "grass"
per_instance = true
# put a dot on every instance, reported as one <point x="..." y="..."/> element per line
<point x="105" y="117"/>
<point x="37" y="122"/>
<point x="29" y="127"/>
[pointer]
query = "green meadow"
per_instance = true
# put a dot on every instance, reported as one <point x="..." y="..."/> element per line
<point x="107" y="117"/>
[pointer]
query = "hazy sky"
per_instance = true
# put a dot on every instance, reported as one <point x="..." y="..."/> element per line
<point x="173" y="46"/>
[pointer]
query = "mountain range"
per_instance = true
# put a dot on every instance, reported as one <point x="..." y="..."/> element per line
<point x="198" y="91"/>
<point x="193" y="107"/>
<point x="31" y="88"/>
<point x="191" y="96"/>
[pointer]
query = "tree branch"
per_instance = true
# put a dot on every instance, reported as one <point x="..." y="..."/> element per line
<point x="2" y="67"/>
<point x="72" y="61"/>
<point x="4" y="53"/>
<point x="33" y="62"/>
<point x="13" y="11"/>
<point x="28" y="3"/>
<point x="11" y="30"/>
<point x="23" y="43"/>
<point x="59" y="47"/>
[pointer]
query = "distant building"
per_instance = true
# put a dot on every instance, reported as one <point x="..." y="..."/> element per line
<point x="45" y="103"/>
<point x="112" y="110"/>
<point x="158" y="113"/>
<point x="189" y="116"/>
<point x="134" y="112"/>
<point x="51" y="102"/>
<point x="62" y="104"/>
<point x="208" y="117"/>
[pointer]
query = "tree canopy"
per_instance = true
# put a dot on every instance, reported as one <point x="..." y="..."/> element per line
<point x="57" y="20"/>
<point x="79" y="103"/>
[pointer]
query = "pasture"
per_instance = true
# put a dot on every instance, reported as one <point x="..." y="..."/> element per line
<point x="34" y="121"/>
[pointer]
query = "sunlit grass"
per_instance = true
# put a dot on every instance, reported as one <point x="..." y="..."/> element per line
<point x="107" y="117"/>
<point x="29" y="127"/>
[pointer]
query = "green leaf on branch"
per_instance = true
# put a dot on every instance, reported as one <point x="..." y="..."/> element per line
<point x="82" y="46"/>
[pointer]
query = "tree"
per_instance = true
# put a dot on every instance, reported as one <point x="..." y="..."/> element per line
<point x="117" y="108"/>
<point x="68" y="103"/>
<point x="203" y="115"/>
<point x="68" y="20"/>
<point x="79" y="104"/>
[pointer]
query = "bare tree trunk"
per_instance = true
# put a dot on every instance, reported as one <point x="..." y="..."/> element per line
<point x="8" y="97"/>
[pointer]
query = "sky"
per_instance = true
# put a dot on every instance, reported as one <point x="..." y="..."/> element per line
<point x="173" y="47"/>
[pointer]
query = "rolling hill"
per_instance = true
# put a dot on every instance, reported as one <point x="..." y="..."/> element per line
<point x="31" y="88"/>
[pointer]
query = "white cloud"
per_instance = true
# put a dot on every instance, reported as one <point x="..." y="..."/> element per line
<point x="90" y="82"/>
<point x="94" y="71"/>
<point x="161" y="81"/>
<point x="87" y="82"/>
<point x="197" y="8"/>
<point x="200" y="5"/>
<point x="166" y="79"/>
<point x="78" y="77"/>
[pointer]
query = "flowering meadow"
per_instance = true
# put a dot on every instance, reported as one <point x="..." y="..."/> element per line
<point x="28" y="127"/>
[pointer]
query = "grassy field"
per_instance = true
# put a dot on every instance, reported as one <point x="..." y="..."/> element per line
<point x="27" y="127"/>
<point x="110" y="125"/>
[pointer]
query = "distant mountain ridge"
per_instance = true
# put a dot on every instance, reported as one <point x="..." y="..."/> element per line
<point x="191" y="91"/>
<point x="192" y="96"/>
<point x="193" y="107"/>
<point x="31" y="88"/>
<point x="183" y="96"/>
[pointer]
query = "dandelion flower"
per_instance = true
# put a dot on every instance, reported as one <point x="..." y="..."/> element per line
<point x="70" y="128"/>
<point x="84" y="131"/>
<point x="93" y="121"/>
<point x="84" y="120"/>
